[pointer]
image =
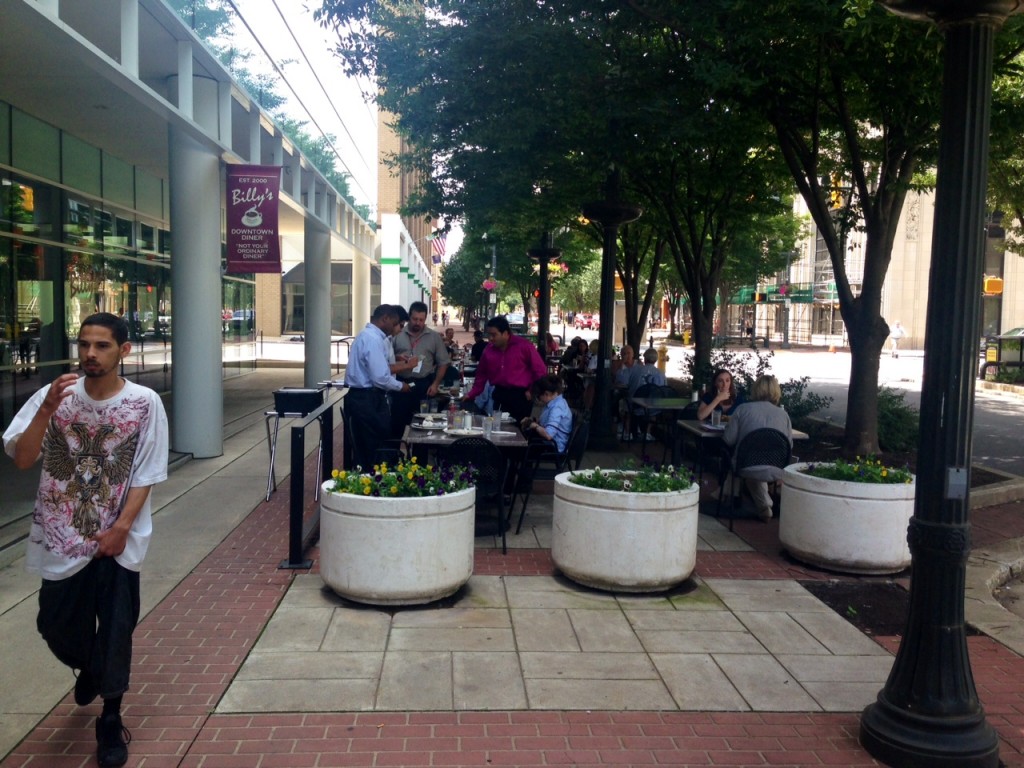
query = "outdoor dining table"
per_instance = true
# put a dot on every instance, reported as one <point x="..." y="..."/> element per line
<point x="674" y="404"/>
<point x="708" y="438"/>
<point x="507" y="437"/>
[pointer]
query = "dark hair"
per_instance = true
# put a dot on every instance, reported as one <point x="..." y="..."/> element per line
<point x="498" y="323"/>
<point x="385" y="310"/>
<point x="418" y="306"/>
<point x="400" y="313"/>
<point x="478" y="334"/>
<point x="549" y="383"/>
<point x="732" y="383"/>
<point x="117" y="326"/>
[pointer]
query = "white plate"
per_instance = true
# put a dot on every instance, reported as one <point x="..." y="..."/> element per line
<point x="465" y="432"/>
<point x="501" y="432"/>
<point x="714" y="427"/>
<point x="427" y="426"/>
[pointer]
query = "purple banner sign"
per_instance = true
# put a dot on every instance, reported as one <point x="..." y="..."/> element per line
<point x="254" y="243"/>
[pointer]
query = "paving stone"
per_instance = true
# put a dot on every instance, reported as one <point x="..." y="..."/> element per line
<point x="604" y="631"/>
<point x="697" y="683"/>
<point x="455" y="618"/>
<point x="656" y="641"/>
<point x="843" y="697"/>
<point x="482" y="592"/>
<point x="838" y="635"/>
<point x="681" y="621"/>
<point x="841" y="669"/>
<point x="298" y="696"/>
<point x="765" y="684"/>
<point x="357" y="630"/>
<point x="448" y="639"/>
<point x="415" y="681"/>
<point x="487" y="681"/>
<point x="545" y="592"/>
<point x="765" y="595"/>
<point x="545" y="693"/>
<point x="780" y="633"/>
<point x="543" y="630"/>
<point x="592" y="666"/>
<point x="296" y="629"/>
<point x="321" y="665"/>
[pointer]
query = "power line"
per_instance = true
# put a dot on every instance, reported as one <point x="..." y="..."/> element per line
<point x="309" y="114"/>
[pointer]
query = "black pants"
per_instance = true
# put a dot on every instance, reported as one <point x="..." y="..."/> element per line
<point x="513" y="400"/>
<point x="367" y="424"/>
<point x="405" y="404"/>
<point x="87" y="620"/>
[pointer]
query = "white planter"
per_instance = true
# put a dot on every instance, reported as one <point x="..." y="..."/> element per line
<point x="624" y="542"/>
<point x="396" y="551"/>
<point x="847" y="527"/>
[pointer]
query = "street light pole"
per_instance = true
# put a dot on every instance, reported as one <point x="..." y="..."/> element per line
<point x="610" y="213"/>
<point x="544" y="254"/>
<point x="928" y="713"/>
<point x="786" y="301"/>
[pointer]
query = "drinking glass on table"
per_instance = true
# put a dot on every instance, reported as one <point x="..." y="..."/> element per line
<point x="716" y="418"/>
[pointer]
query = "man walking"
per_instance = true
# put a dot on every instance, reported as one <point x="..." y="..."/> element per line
<point x="103" y="443"/>
<point x="511" y="365"/>
<point x="369" y="379"/>
<point x="417" y="341"/>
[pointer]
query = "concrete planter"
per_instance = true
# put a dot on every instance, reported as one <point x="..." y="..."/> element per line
<point x="843" y="526"/>
<point x="403" y="551"/>
<point x="624" y="542"/>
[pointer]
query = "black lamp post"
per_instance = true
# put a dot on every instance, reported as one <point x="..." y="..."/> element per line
<point x="610" y="213"/>
<point x="928" y="713"/>
<point x="543" y="255"/>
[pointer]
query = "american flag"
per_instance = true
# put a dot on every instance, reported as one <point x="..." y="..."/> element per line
<point x="437" y="245"/>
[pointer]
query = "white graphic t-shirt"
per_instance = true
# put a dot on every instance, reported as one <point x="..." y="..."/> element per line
<point x="93" y="452"/>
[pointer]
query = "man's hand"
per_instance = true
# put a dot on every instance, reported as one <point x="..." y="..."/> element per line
<point x="433" y="389"/>
<point x="59" y="389"/>
<point x="111" y="541"/>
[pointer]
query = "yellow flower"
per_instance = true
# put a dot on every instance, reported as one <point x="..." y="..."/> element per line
<point x="343" y="474"/>
<point x="335" y="474"/>
<point x="414" y="460"/>
<point x="366" y="480"/>
<point x="366" y="490"/>
<point x="410" y="475"/>
<point x="394" y="490"/>
<point x="885" y="473"/>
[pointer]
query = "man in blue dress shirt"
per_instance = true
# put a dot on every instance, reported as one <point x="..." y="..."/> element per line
<point x="368" y="378"/>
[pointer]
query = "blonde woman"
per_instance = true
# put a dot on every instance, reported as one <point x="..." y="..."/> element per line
<point x="760" y="411"/>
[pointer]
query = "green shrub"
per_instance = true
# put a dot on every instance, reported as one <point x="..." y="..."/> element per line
<point x="799" y="403"/>
<point x="898" y="422"/>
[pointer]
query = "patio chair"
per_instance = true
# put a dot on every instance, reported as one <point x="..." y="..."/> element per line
<point x="492" y="470"/>
<point x="291" y="403"/>
<point x="543" y="463"/>
<point x="761" y="448"/>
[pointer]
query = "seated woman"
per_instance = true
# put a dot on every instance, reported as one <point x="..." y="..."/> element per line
<point x="555" y="423"/>
<point x="722" y="397"/>
<point x="762" y="411"/>
<point x="551" y="345"/>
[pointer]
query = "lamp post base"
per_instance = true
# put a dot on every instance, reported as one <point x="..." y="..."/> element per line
<point x="899" y="738"/>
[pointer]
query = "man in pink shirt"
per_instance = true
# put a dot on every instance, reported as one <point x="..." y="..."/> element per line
<point x="510" y="364"/>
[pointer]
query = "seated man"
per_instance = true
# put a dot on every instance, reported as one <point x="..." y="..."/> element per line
<point x="642" y="375"/>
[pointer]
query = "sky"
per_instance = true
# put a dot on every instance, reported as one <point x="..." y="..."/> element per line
<point x="315" y="87"/>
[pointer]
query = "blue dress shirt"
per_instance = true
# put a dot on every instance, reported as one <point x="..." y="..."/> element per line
<point x="368" y="361"/>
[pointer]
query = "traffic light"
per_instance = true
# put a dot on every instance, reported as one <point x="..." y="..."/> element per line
<point x="536" y="294"/>
<point x="992" y="286"/>
<point x="760" y="298"/>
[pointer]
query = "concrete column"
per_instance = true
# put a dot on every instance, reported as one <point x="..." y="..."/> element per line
<point x="184" y="94"/>
<point x="360" y="292"/>
<point x="206" y="104"/>
<point x="130" y="36"/>
<point x="197" y="414"/>
<point x="255" y="131"/>
<point x="317" y="256"/>
<point x="224" y="111"/>
<point x="390" y="259"/>
<point x="51" y="7"/>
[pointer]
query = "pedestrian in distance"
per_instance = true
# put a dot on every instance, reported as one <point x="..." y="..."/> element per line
<point x="103" y="444"/>
<point x="895" y="334"/>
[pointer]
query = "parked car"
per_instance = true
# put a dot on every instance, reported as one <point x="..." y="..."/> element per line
<point x="595" y="321"/>
<point x="516" y="321"/>
<point x="583" y="320"/>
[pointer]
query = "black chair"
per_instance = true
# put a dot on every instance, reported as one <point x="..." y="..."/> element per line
<point x="648" y="418"/>
<point x="543" y="463"/>
<point x="764" y="447"/>
<point x="688" y="413"/>
<point x="291" y="403"/>
<point x="492" y="471"/>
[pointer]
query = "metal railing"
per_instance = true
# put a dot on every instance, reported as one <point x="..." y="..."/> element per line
<point x="301" y="534"/>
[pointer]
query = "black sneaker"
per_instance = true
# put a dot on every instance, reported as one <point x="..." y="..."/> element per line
<point x="85" y="688"/>
<point x="112" y="740"/>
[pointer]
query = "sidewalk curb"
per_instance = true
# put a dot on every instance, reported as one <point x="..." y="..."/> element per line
<point x="988" y="568"/>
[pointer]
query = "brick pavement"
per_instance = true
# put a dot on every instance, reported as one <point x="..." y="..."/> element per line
<point x="191" y="645"/>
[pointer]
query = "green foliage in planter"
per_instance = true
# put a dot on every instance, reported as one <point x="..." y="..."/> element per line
<point x="862" y="470"/>
<point x="646" y="479"/>
<point x="898" y="422"/>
